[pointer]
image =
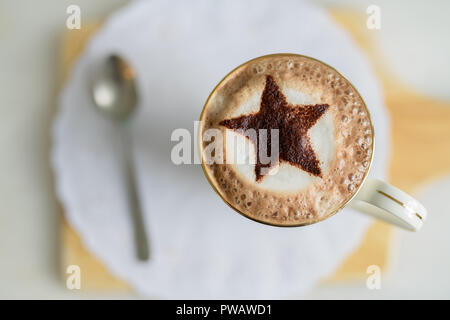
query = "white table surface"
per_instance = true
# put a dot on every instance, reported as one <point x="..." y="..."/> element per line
<point x="412" y="34"/>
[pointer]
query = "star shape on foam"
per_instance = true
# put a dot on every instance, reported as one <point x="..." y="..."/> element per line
<point x="293" y="123"/>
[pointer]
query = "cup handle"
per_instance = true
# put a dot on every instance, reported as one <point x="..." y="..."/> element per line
<point x="383" y="201"/>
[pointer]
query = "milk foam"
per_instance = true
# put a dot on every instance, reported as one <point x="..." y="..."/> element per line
<point x="342" y="140"/>
<point x="284" y="177"/>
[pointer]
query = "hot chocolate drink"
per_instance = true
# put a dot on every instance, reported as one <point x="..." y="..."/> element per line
<point x="300" y="133"/>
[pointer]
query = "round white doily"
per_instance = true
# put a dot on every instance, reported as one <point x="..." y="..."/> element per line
<point x="200" y="248"/>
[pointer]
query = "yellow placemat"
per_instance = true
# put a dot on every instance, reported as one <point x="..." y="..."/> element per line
<point x="418" y="123"/>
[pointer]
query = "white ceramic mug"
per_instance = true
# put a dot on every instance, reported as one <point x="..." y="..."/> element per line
<point x="374" y="197"/>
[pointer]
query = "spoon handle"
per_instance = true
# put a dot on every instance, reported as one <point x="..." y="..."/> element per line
<point x="141" y="239"/>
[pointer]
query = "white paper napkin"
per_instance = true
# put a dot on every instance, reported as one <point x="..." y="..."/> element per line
<point x="200" y="248"/>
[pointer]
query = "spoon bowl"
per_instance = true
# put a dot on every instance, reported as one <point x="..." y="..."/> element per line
<point x="114" y="88"/>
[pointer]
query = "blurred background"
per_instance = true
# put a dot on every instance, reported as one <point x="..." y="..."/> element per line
<point x="413" y="42"/>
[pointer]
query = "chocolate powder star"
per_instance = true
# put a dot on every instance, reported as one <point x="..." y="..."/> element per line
<point x="293" y="122"/>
